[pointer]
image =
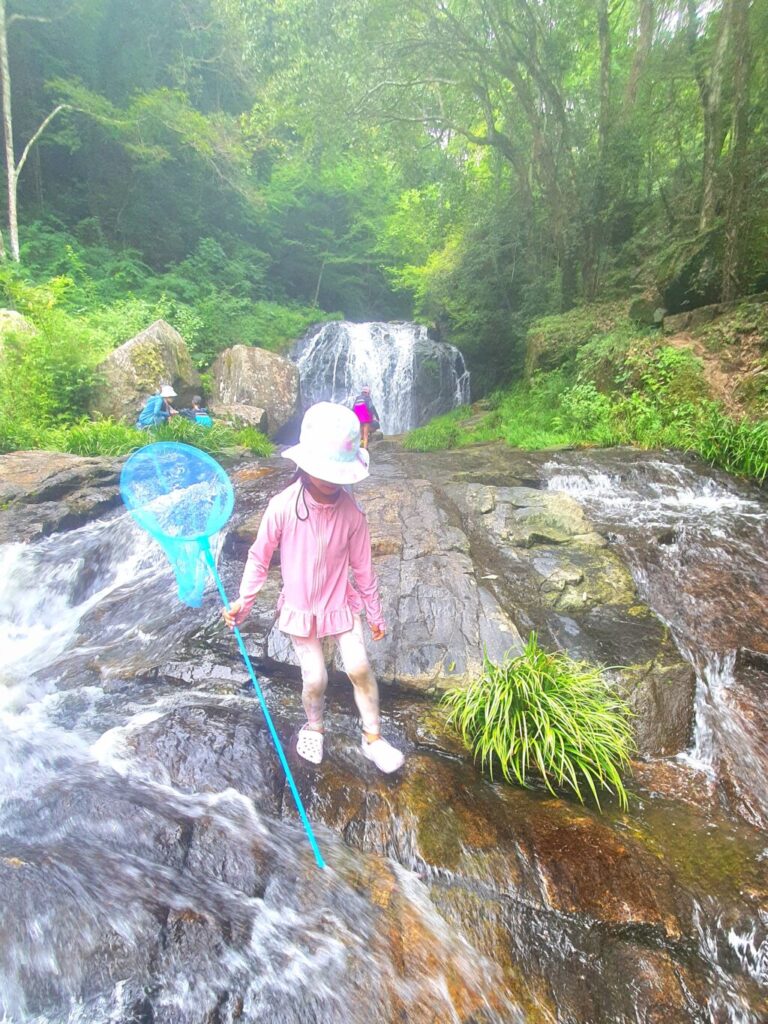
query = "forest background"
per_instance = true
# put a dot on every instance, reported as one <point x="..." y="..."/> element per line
<point x="511" y="172"/>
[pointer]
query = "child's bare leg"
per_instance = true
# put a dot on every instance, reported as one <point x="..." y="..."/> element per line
<point x="364" y="439"/>
<point x="358" y="668"/>
<point x="314" y="678"/>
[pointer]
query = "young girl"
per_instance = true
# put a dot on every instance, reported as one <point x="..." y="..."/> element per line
<point x="365" y="411"/>
<point x="322" y="534"/>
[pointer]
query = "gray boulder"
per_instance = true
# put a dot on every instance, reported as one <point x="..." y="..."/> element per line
<point x="136" y="370"/>
<point x="46" y="492"/>
<point x="648" y="310"/>
<point x="12" y="322"/>
<point x="238" y="415"/>
<point x="247" y="376"/>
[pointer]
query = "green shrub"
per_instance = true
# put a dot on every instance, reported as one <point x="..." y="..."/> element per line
<point x="17" y="435"/>
<point x="48" y="376"/>
<point x="587" y="412"/>
<point x="545" y="714"/>
<point x="601" y="359"/>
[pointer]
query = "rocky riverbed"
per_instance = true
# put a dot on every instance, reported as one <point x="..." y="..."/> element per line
<point x="151" y="858"/>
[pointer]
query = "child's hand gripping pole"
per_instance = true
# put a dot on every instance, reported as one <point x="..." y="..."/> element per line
<point x="267" y="717"/>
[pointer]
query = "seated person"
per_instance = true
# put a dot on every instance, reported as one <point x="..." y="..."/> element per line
<point x="198" y="413"/>
<point x="158" y="409"/>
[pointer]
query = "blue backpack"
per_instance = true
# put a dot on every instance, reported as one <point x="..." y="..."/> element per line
<point x="153" y="413"/>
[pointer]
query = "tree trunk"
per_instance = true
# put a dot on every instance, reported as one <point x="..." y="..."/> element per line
<point x="734" y="216"/>
<point x="596" y="213"/>
<point x="10" y="158"/>
<point x="711" y="92"/>
<point x="316" y="299"/>
<point x="645" y="31"/>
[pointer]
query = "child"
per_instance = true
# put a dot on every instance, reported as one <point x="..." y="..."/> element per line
<point x="322" y="534"/>
<point x="365" y="411"/>
<point x="198" y="413"/>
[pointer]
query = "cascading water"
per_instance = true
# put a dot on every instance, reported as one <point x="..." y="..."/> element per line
<point x="152" y="869"/>
<point x="138" y="883"/>
<point x="698" y="551"/>
<point x="412" y="378"/>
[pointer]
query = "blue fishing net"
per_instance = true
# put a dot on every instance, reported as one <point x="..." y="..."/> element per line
<point x="182" y="497"/>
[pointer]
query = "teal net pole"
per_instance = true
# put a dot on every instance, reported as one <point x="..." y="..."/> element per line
<point x="203" y="541"/>
<point x="182" y="497"/>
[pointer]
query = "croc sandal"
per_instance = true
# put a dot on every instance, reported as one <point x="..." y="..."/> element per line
<point x="386" y="757"/>
<point x="309" y="744"/>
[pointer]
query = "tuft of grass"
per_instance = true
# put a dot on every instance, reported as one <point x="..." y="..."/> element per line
<point x="738" y="446"/>
<point x="545" y="714"/>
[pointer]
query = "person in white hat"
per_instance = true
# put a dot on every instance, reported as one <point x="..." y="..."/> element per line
<point x="322" y="534"/>
<point x="158" y="409"/>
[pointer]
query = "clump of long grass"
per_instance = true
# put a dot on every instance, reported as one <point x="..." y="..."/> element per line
<point x="108" y="437"/>
<point x="544" y="714"/>
<point x="739" y="446"/>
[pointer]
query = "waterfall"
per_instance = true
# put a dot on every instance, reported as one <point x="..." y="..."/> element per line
<point x="412" y="378"/>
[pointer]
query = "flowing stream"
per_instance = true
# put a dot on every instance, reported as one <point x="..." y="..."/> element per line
<point x="698" y="549"/>
<point x="153" y="870"/>
<point x="412" y="378"/>
<point x="103" y="854"/>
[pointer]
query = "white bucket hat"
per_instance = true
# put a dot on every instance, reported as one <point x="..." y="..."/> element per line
<point x="166" y="391"/>
<point x="329" y="445"/>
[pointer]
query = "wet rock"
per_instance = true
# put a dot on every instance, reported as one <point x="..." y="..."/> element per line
<point x="211" y="748"/>
<point x="248" y="376"/>
<point x="554" y="573"/>
<point x="465" y="567"/>
<point x="543" y="852"/>
<point x="136" y="369"/>
<point x="44" y="492"/>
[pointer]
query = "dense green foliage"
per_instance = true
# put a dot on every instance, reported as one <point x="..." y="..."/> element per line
<point x="243" y="169"/>
<point x="545" y="714"/>
<point x="625" y="386"/>
<point x="475" y="163"/>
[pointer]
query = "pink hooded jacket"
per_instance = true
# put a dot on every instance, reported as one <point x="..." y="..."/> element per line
<point x="316" y="555"/>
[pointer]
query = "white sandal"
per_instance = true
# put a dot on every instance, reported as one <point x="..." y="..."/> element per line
<point x="386" y="757"/>
<point x="309" y="744"/>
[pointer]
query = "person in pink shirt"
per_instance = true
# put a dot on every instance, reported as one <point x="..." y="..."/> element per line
<point x="322" y="535"/>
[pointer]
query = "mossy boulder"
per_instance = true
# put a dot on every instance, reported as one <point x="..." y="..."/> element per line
<point x="135" y="370"/>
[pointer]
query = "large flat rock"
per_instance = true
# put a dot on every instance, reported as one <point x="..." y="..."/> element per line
<point x="467" y="566"/>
